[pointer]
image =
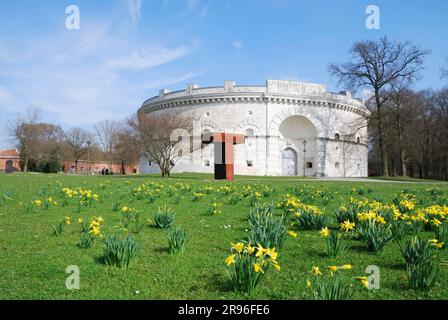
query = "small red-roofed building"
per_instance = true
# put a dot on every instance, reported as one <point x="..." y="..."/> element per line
<point x="9" y="161"/>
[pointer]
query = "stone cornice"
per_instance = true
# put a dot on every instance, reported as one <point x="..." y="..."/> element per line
<point x="325" y="100"/>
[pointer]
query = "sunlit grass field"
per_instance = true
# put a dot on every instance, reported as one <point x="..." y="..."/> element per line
<point x="33" y="260"/>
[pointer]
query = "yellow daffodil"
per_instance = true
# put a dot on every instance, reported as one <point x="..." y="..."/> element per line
<point x="308" y="284"/>
<point x="363" y="281"/>
<point x="292" y="234"/>
<point x="347" y="225"/>
<point x="257" y="268"/>
<point x="271" y="253"/>
<point x="324" y="232"/>
<point x="250" y="249"/>
<point x="345" y="267"/>
<point x="238" y="247"/>
<point x="276" y="265"/>
<point x="332" y="268"/>
<point x="230" y="259"/>
<point x="316" y="271"/>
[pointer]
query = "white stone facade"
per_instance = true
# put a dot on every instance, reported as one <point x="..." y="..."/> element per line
<point x="277" y="119"/>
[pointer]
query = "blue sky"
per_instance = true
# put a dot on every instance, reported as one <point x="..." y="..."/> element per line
<point x="126" y="50"/>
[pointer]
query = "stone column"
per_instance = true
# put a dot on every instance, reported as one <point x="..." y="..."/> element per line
<point x="273" y="156"/>
<point x="321" y="157"/>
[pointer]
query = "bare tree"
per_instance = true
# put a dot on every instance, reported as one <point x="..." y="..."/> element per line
<point x="155" y="136"/>
<point x="78" y="140"/>
<point x="375" y="65"/>
<point x="399" y="105"/>
<point x="444" y="70"/>
<point x="127" y="151"/>
<point x="23" y="131"/>
<point x="107" y="132"/>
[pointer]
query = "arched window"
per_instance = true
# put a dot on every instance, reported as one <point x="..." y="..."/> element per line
<point x="358" y="139"/>
<point x="250" y="132"/>
<point x="337" y="165"/>
<point x="337" y="137"/>
<point x="207" y="163"/>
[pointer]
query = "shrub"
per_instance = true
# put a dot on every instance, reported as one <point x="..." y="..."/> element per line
<point x="177" y="240"/>
<point x="246" y="266"/>
<point x="119" y="252"/>
<point x="266" y="229"/>
<point x="164" y="218"/>
<point x="374" y="234"/>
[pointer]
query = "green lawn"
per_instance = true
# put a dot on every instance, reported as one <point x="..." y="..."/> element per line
<point x="33" y="261"/>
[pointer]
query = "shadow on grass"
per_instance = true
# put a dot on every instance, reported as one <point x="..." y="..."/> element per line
<point x="401" y="266"/>
<point x="162" y="250"/>
<point x="216" y="282"/>
<point x="99" y="259"/>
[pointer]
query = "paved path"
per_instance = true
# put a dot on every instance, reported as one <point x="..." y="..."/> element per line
<point x="365" y="180"/>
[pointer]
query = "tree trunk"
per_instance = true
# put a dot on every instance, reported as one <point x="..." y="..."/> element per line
<point x="123" y="169"/>
<point x="76" y="166"/>
<point x="25" y="166"/>
<point x="400" y="145"/>
<point x="384" y="162"/>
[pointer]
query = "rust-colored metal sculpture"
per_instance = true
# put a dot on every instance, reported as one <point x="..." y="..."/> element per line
<point x="224" y="152"/>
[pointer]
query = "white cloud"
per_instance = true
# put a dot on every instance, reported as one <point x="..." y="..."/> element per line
<point x="237" y="44"/>
<point x="166" y="81"/>
<point x="144" y="59"/>
<point x="135" y="10"/>
<point x="96" y="73"/>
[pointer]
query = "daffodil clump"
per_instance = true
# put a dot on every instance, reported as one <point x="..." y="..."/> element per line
<point x="164" y="217"/>
<point x="330" y="286"/>
<point x="254" y="198"/>
<point x="90" y="230"/>
<point x="289" y="204"/>
<point x="309" y="217"/>
<point x="335" y="244"/>
<point x="197" y="196"/>
<point x="119" y="252"/>
<point x="49" y="202"/>
<point x="6" y="196"/>
<point x="34" y="205"/>
<point x="266" y="228"/>
<point x="422" y="262"/>
<point x="83" y="197"/>
<point x="214" y="208"/>
<point x="246" y="265"/>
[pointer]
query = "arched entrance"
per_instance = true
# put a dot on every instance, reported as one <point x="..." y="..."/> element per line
<point x="9" y="166"/>
<point x="289" y="162"/>
<point x="298" y="133"/>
